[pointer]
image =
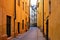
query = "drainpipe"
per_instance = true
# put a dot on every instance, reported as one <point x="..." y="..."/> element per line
<point x="2" y="19"/>
<point x="29" y="13"/>
<point x="43" y="17"/>
<point x="14" y="16"/>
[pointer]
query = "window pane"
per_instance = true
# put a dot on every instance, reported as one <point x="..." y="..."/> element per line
<point x="18" y="2"/>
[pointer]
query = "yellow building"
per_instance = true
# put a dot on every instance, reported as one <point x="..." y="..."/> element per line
<point x="54" y="20"/>
<point x="51" y="18"/>
<point x="6" y="18"/>
<point x="9" y="26"/>
<point x="39" y="14"/>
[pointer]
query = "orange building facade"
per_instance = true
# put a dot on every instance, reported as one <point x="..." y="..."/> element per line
<point x="9" y="25"/>
<point x="50" y="15"/>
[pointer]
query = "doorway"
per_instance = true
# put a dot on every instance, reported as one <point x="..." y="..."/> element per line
<point x="47" y="29"/>
<point x="22" y="24"/>
<point x="8" y="26"/>
<point x="18" y="27"/>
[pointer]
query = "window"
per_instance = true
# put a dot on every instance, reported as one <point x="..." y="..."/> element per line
<point x="22" y="24"/>
<point x="49" y="6"/>
<point x="23" y="5"/>
<point x="18" y="2"/>
<point x="38" y="5"/>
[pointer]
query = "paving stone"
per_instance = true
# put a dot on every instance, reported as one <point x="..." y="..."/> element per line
<point x="33" y="34"/>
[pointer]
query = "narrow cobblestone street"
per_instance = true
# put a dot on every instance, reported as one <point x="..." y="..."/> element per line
<point x="33" y="34"/>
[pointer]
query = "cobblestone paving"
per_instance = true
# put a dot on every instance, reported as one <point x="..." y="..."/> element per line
<point x="33" y="34"/>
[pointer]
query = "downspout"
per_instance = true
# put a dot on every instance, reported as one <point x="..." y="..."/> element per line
<point x="14" y="16"/>
<point x="29" y="13"/>
<point x="43" y="17"/>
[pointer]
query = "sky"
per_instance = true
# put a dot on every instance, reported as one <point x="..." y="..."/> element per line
<point x="33" y="2"/>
